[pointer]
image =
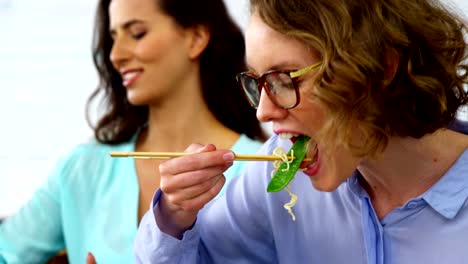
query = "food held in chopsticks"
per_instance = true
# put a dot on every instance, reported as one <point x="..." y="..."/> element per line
<point x="286" y="169"/>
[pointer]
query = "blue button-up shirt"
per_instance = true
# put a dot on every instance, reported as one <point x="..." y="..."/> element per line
<point x="249" y="225"/>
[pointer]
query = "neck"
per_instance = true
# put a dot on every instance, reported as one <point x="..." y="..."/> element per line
<point x="181" y="118"/>
<point x="408" y="167"/>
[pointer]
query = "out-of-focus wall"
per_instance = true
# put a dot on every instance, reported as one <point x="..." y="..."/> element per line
<point x="46" y="74"/>
<point x="239" y="9"/>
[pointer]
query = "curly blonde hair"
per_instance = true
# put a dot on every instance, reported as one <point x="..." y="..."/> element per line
<point x="355" y="39"/>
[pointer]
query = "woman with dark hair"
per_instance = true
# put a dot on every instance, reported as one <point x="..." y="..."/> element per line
<point x="367" y="90"/>
<point x="167" y="79"/>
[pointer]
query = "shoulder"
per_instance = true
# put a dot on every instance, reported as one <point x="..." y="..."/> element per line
<point x="89" y="159"/>
<point x="256" y="147"/>
<point x="94" y="152"/>
<point x="246" y="145"/>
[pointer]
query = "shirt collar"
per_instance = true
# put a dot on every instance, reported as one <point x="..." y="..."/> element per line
<point x="446" y="197"/>
<point x="355" y="185"/>
<point x="449" y="194"/>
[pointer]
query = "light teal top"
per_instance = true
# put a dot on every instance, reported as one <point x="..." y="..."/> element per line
<point x="88" y="204"/>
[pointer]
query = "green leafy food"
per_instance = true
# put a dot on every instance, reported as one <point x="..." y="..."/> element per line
<point x="284" y="175"/>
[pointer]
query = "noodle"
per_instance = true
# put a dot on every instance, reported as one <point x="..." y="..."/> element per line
<point x="289" y="205"/>
<point x="279" y="152"/>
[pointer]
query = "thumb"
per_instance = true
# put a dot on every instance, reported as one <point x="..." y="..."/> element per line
<point x="90" y="259"/>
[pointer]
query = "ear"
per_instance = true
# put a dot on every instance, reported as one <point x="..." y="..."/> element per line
<point x="392" y="59"/>
<point x="198" y="38"/>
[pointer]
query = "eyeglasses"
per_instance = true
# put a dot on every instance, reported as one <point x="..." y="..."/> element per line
<point x="281" y="86"/>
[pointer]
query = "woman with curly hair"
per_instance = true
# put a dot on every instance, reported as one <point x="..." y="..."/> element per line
<point x="367" y="90"/>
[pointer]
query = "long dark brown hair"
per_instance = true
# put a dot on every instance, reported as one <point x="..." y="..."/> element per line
<point x="219" y="62"/>
<point x="356" y="38"/>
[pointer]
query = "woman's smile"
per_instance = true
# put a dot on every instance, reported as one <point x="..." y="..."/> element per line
<point x="130" y="77"/>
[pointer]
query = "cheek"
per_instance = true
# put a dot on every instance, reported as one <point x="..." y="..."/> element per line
<point x="157" y="45"/>
<point x="313" y="115"/>
<point x="149" y="52"/>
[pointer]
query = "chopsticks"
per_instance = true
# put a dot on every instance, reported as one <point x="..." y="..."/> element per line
<point x="168" y="155"/>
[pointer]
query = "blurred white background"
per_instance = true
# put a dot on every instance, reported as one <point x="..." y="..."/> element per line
<point x="46" y="75"/>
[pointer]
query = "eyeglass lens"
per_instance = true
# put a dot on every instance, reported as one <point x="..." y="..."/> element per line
<point x="279" y="87"/>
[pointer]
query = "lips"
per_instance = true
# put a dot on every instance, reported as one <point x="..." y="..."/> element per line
<point x="130" y="76"/>
<point x="312" y="158"/>
<point x="307" y="164"/>
<point x="311" y="166"/>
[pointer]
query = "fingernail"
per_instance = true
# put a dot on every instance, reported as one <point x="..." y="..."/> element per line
<point x="229" y="157"/>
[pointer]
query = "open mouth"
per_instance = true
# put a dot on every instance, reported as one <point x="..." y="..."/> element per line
<point x="311" y="158"/>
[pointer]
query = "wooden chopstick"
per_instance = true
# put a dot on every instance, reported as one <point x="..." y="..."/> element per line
<point x="168" y="155"/>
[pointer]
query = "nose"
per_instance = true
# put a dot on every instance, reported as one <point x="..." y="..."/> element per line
<point x="267" y="110"/>
<point x="119" y="53"/>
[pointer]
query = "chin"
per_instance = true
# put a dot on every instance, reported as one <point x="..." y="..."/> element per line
<point x="325" y="186"/>
<point x="136" y="100"/>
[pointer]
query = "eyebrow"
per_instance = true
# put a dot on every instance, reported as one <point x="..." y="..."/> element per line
<point x="276" y="67"/>
<point x="127" y="25"/>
